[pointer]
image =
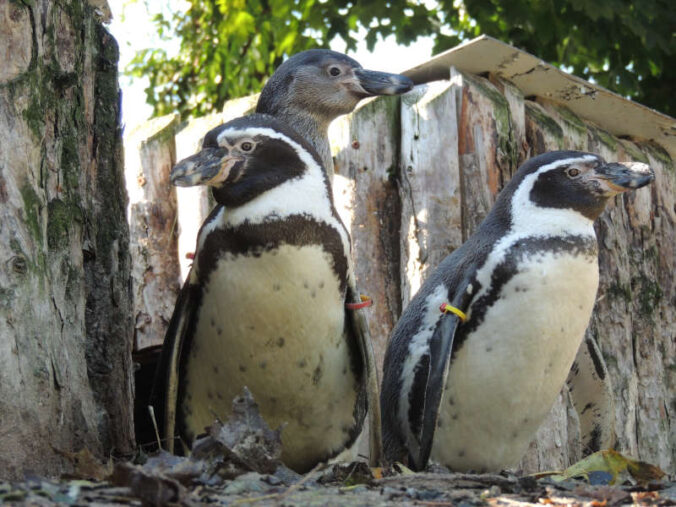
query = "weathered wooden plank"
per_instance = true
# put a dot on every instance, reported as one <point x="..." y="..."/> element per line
<point x="517" y="119"/>
<point x="366" y="151"/>
<point x="431" y="222"/>
<point x="150" y="155"/>
<point x="486" y="147"/>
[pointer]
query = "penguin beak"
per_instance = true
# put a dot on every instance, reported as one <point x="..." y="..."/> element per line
<point x="208" y="167"/>
<point x="373" y="83"/>
<point x="618" y="178"/>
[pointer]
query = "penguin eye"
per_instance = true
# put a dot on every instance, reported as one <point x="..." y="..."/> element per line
<point x="573" y="172"/>
<point x="246" y="146"/>
<point x="334" y="71"/>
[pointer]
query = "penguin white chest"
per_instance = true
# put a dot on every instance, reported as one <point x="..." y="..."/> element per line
<point x="508" y="371"/>
<point x="274" y="322"/>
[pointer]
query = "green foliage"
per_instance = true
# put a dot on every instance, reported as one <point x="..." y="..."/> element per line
<point x="229" y="47"/>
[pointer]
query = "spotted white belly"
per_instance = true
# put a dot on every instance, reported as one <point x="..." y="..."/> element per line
<point x="505" y="377"/>
<point x="275" y="323"/>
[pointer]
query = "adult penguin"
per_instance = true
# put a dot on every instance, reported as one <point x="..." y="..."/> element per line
<point x="478" y="357"/>
<point x="267" y="303"/>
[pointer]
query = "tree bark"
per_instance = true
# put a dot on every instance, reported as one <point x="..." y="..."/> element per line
<point x="65" y="331"/>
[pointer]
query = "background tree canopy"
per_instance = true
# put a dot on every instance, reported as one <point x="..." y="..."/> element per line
<point x="229" y="47"/>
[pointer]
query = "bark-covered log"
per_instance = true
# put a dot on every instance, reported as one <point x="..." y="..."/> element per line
<point x="150" y="155"/>
<point x="65" y="327"/>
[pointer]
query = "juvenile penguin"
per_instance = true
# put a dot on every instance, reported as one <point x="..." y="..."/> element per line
<point x="264" y="305"/>
<point x="312" y="88"/>
<point x="479" y="355"/>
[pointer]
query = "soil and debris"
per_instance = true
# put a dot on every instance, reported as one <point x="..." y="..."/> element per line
<point x="237" y="463"/>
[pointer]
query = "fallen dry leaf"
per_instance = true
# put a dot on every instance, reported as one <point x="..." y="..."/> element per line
<point x="243" y="443"/>
<point x="611" y="462"/>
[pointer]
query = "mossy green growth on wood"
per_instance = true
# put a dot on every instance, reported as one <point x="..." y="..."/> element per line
<point x="545" y="121"/>
<point x="659" y="153"/>
<point x="571" y="119"/>
<point x="61" y="217"/>
<point x="633" y="151"/>
<point x="32" y="205"/>
<point x="620" y="291"/>
<point x="603" y="137"/>
<point x="649" y="294"/>
<point x="502" y="117"/>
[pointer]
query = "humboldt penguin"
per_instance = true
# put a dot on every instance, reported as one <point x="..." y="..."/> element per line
<point x="312" y="88"/>
<point x="267" y="303"/>
<point x="481" y="352"/>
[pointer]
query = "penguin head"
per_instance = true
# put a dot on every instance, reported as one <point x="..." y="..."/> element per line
<point x="577" y="180"/>
<point x="245" y="157"/>
<point x="325" y="84"/>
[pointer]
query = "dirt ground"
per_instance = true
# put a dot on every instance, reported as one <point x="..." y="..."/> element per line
<point x="238" y="463"/>
<point x="338" y="485"/>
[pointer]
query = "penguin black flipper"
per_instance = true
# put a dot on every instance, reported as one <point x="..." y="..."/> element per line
<point x="360" y="330"/>
<point x="165" y="387"/>
<point x="440" y="348"/>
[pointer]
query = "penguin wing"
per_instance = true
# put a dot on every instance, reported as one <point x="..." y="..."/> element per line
<point x="360" y="330"/>
<point x="165" y="388"/>
<point x="430" y="378"/>
<point x="430" y="382"/>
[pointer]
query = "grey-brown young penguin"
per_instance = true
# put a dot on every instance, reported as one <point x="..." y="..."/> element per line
<point x="312" y="88"/>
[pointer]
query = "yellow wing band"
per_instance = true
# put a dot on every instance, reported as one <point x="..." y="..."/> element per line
<point x="445" y="308"/>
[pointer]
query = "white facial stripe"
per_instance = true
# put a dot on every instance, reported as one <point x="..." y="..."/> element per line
<point x="418" y="347"/>
<point x="273" y="134"/>
<point x="532" y="221"/>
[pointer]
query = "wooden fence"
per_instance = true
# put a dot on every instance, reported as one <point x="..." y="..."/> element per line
<point x="414" y="177"/>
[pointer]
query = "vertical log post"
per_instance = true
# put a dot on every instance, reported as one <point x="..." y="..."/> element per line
<point x="150" y="155"/>
<point x="366" y="157"/>
<point x="430" y="188"/>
